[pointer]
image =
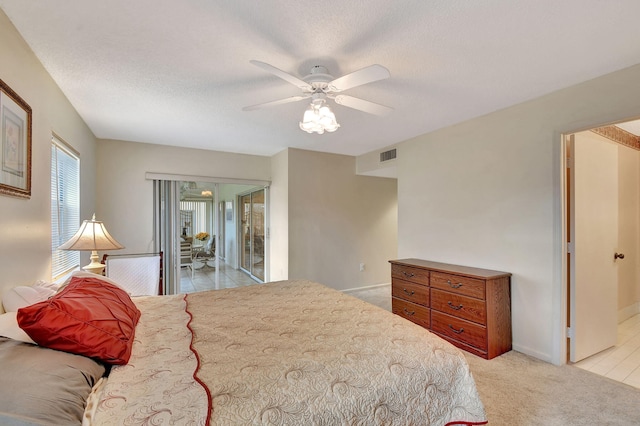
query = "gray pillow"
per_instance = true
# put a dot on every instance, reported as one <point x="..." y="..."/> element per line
<point x="44" y="386"/>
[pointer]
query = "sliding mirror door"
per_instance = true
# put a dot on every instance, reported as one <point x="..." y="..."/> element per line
<point x="253" y="211"/>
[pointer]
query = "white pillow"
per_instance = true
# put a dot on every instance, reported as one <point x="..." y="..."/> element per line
<point x="46" y="284"/>
<point x="84" y="274"/>
<point x="9" y="328"/>
<point x="21" y="296"/>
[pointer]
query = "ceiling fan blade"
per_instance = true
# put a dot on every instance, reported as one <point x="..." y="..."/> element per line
<point x="278" y="102"/>
<point x="362" y="105"/>
<point x="365" y="75"/>
<point x="301" y="84"/>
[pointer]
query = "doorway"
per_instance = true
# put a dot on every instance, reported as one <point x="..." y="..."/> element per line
<point x="197" y="226"/>
<point x="617" y="306"/>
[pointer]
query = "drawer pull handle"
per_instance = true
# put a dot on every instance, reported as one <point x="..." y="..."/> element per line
<point x="410" y="293"/>
<point x="408" y="274"/>
<point x="454" y="285"/>
<point x="452" y="306"/>
<point x="454" y="329"/>
<point x="409" y="312"/>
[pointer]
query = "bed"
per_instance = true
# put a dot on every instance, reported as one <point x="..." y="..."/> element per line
<point x="289" y="352"/>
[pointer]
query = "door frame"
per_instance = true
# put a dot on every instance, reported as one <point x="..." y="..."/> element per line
<point x="562" y="304"/>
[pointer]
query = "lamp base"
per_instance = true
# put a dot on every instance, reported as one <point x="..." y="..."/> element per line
<point x="95" y="266"/>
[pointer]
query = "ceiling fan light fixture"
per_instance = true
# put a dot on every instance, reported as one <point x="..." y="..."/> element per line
<point x="319" y="118"/>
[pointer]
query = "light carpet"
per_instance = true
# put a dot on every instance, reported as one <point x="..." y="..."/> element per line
<point x="520" y="390"/>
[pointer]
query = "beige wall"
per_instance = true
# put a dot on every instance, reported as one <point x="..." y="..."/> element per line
<point x="25" y="226"/>
<point x="324" y="220"/>
<point x="278" y="216"/>
<point x="338" y="220"/>
<point x="125" y="203"/>
<point x="487" y="193"/>
<point x="369" y="164"/>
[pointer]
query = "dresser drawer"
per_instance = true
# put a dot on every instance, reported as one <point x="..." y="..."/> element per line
<point x="411" y="311"/>
<point x="466" y="286"/>
<point x="416" y="293"/>
<point x="408" y="273"/>
<point x="459" y="329"/>
<point x="459" y="306"/>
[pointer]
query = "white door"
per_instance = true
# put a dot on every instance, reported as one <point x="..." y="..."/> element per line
<point x="594" y="233"/>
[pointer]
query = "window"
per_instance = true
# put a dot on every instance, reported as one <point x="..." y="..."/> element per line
<point x="197" y="210"/>
<point x="65" y="206"/>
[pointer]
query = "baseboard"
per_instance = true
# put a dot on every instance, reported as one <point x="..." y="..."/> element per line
<point x="365" y="287"/>
<point x="533" y="353"/>
<point x="626" y="313"/>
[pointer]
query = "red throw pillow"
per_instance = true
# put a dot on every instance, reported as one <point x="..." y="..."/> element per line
<point x="88" y="317"/>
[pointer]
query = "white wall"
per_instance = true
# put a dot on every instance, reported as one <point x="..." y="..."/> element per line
<point x="487" y="193"/>
<point x="338" y="220"/>
<point x="25" y="225"/>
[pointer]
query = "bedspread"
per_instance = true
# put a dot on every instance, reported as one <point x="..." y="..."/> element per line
<point x="157" y="386"/>
<point x="298" y="353"/>
<point x="285" y="353"/>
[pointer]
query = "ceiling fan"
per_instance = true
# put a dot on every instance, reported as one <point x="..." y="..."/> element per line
<point x="319" y="86"/>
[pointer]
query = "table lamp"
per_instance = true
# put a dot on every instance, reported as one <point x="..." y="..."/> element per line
<point x="93" y="236"/>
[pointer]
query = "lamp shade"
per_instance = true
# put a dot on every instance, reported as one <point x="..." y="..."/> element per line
<point x="92" y="236"/>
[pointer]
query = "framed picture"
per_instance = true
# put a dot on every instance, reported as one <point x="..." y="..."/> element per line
<point x="15" y="144"/>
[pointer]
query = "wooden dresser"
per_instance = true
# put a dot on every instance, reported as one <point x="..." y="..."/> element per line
<point x="469" y="307"/>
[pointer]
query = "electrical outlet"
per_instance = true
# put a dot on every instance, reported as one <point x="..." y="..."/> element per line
<point x="362" y="266"/>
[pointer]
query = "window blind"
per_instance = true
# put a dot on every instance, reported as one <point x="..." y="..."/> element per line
<point x="199" y="215"/>
<point x="65" y="207"/>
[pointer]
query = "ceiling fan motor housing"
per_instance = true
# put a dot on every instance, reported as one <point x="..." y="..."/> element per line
<point x="318" y="78"/>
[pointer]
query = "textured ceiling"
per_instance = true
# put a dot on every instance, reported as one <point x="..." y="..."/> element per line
<point x="178" y="73"/>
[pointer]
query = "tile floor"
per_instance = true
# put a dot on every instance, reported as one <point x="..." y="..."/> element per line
<point x="204" y="279"/>
<point x="622" y="362"/>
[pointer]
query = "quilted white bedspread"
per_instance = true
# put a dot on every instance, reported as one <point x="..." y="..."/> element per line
<point x="287" y="353"/>
<point x="157" y="386"/>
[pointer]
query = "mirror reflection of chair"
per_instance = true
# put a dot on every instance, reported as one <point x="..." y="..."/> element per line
<point x="186" y="255"/>
<point x="140" y="274"/>
<point x="203" y="256"/>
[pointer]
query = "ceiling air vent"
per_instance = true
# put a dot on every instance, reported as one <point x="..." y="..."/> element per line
<point x="388" y="155"/>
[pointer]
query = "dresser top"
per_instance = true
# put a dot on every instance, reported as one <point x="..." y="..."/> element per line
<point x="451" y="269"/>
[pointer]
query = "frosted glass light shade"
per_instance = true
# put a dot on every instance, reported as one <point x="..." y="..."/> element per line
<point x="319" y="118"/>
